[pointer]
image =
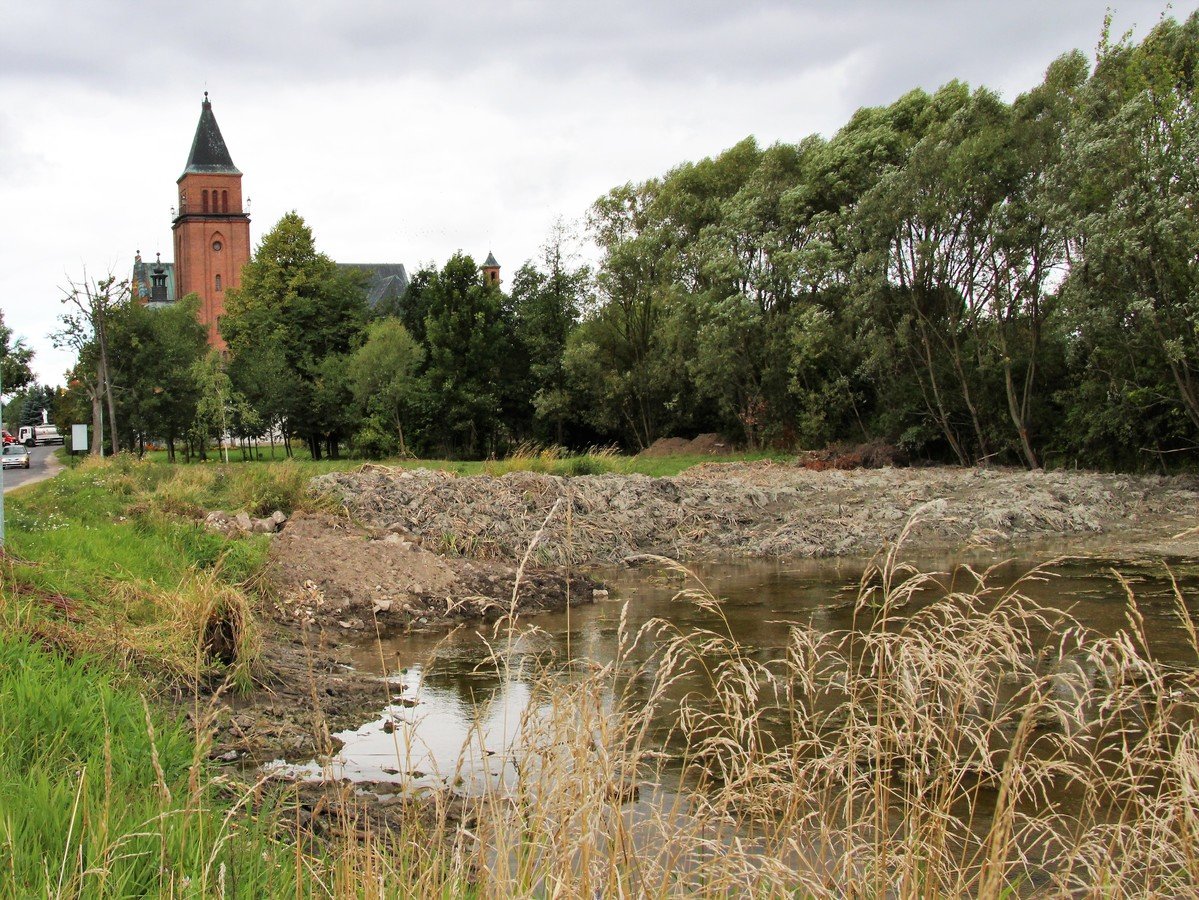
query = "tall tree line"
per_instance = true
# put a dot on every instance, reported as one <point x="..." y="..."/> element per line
<point x="970" y="279"/>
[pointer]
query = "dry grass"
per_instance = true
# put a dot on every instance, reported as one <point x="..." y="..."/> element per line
<point x="973" y="744"/>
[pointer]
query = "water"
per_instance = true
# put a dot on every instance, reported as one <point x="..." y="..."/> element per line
<point x="454" y="718"/>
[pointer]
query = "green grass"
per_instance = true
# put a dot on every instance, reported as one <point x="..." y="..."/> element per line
<point x="552" y="460"/>
<point x="107" y="585"/>
<point x="103" y="796"/>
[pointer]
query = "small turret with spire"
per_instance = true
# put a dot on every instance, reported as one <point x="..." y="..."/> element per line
<point x="491" y="270"/>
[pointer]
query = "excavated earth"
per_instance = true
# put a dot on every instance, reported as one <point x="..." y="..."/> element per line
<point x="428" y="549"/>
<point x="754" y="509"/>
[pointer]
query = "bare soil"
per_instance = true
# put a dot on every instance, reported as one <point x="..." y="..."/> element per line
<point x="328" y="571"/>
<point x="710" y="444"/>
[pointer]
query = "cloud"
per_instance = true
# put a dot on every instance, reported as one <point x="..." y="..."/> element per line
<point x="405" y="131"/>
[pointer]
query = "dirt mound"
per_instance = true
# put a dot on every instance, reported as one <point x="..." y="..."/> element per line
<point x="327" y="571"/>
<point x="874" y="455"/>
<point x="667" y="447"/>
<point x="748" y="509"/>
<point x="703" y="445"/>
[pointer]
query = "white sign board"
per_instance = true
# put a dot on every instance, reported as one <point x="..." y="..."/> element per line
<point x="78" y="438"/>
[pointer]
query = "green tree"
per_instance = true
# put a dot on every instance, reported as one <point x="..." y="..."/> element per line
<point x="469" y="344"/>
<point x="294" y="301"/>
<point x="15" y="359"/>
<point x="383" y="374"/>
<point x="547" y="302"/>
<point x="1128" y="179"/>
<point x="153" y="356"/>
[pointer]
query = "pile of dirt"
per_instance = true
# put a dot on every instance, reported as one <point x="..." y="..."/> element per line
<point x="703" y="445"/>
<point x="755" y="509"/>
<point x="324" y="570"/>
<point x="874" y="455"/>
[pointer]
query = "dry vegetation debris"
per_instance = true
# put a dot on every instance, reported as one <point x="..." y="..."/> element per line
<point x="758" y="509"/>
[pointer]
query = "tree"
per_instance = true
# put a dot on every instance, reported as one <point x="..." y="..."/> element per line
<point x="15" y="371"/>
<point x="295" y="302"/>
<point x="153" y="356"/>
<point x="469" y="344"/>
<point x="1128" y="179"/>
<point x="85" y="330"/>
<point x="383" y="374"/>
<point x="547" y="303"/>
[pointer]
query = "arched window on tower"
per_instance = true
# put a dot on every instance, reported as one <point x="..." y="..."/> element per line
<point x="225" y="202"/>
<point x="218" y="284"/>
<point x="204" y="201"/>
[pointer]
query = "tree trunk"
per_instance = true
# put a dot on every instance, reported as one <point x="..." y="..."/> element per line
<point x="97" y="426"/>
<point x="106" y="386"/>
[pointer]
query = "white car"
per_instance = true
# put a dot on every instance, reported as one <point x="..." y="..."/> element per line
<point x="16" y="456"/>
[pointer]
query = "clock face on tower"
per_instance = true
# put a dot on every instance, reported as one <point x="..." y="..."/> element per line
<point x="216" y="245"/>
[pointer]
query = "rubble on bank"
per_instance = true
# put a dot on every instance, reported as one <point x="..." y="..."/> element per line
<point x="747" y="509"/>
<point x="232" y="524"/>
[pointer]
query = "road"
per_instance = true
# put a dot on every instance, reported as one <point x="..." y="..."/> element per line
<point x="43" y="465"/>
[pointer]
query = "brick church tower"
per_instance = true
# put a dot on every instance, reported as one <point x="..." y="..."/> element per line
<point x="212" y="232"/>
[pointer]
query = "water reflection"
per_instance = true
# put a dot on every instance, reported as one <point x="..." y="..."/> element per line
<point x="458" y="701"/>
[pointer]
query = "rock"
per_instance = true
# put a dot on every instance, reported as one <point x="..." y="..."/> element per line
<point x="278" y="517"/>
<point x="242" y="521"/>
<point x="263" y="526"/>
<point x="382" y="604"/>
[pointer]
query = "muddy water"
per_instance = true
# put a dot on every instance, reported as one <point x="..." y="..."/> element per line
<point x="453" y="718"/>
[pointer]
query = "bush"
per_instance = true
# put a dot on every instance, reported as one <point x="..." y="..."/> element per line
<point x="374" y="442"/>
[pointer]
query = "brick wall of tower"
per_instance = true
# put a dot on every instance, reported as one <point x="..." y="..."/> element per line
<point x="199" y="267"/>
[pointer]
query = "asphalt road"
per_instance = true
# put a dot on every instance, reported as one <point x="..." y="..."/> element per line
<point x="43" y="465"/>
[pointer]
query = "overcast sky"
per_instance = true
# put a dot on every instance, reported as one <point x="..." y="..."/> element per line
<point x="405" y="131"/>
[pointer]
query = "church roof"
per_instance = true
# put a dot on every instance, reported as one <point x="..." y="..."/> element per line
<point x="209" y="155"/>
<point x="143" y="286"/>
<point x="384" y="281"/>
<point x="490" y="262"/>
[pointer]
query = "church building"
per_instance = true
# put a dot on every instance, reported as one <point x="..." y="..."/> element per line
<point x="211" y="227"/>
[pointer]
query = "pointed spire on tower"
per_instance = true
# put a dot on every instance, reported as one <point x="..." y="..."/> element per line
<point x="491" y="269"/>
<point x="209" y="153"/>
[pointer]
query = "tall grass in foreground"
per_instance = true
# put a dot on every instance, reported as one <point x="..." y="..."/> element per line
<point x="101" y="796"/>
<point x="974" y="745"/>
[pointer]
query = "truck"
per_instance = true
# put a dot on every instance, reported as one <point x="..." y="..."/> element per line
<point x="32" y="435"/>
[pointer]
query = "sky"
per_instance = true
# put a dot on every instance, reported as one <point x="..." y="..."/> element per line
<point x="404" y="131"/>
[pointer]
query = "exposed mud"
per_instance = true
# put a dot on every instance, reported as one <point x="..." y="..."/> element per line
<point x="754" y="509"/>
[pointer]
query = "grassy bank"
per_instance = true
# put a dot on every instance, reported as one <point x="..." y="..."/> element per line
<point x="551" y="461"/>
<point x="971" y="743"/>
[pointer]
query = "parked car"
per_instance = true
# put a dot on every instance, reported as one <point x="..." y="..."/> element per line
<point x="16" y="456"/>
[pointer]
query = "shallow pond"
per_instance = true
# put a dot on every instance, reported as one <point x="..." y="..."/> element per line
<point x="454" y="715"/>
